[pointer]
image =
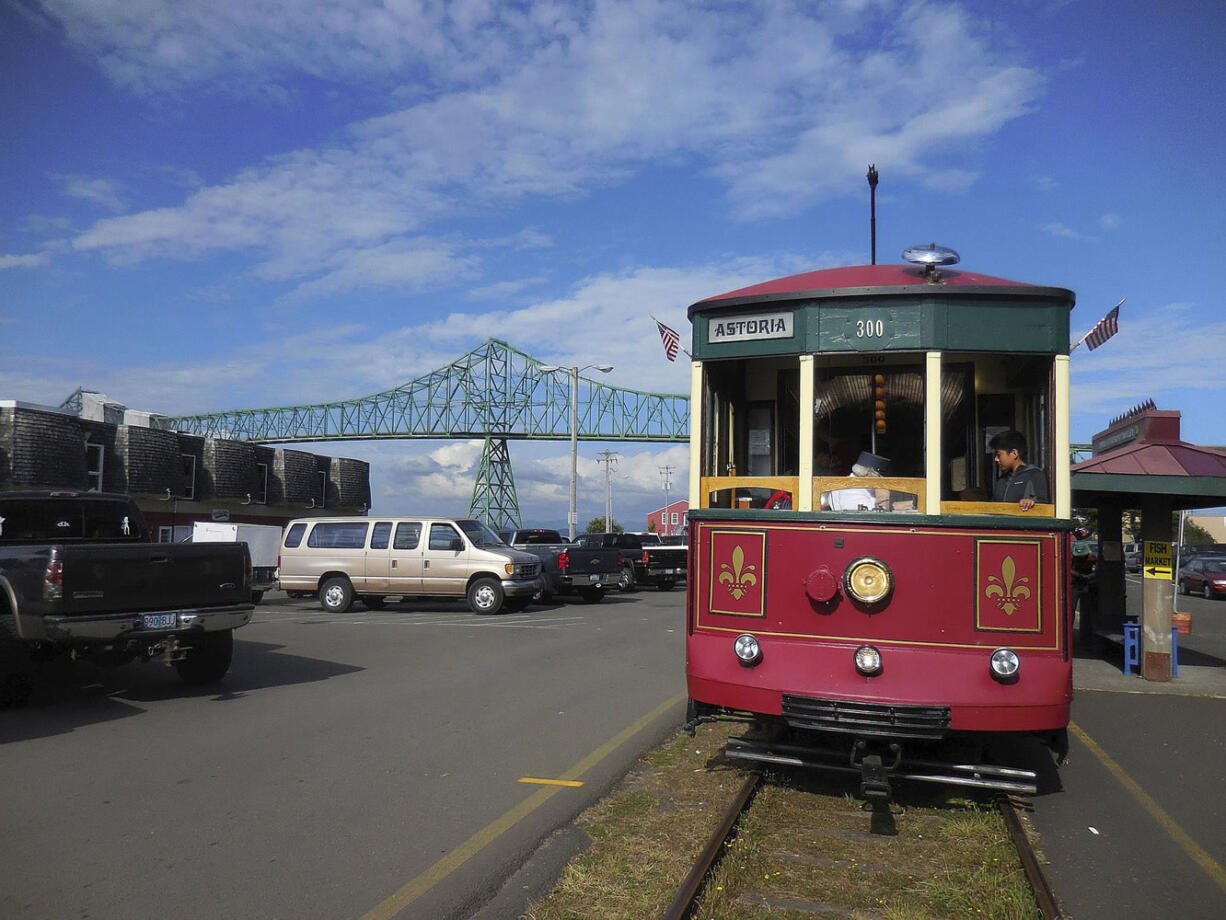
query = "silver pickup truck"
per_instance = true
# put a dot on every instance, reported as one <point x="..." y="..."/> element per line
<point x="78" y="575"/>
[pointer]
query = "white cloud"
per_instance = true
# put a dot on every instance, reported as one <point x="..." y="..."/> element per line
<point x="102" y="192"/>
<point x="28" y="260"/>
<point x="784" y="104"/>
<point x="1110" y="222"/>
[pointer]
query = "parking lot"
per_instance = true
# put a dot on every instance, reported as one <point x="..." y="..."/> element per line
<point x="392" y="763"/>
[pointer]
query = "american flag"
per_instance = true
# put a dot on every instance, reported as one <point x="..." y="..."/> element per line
<point x="671" y="340"/>
<point x="1106" y="327"/>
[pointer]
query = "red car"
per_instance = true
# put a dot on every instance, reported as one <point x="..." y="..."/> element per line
<point x="1204" y="575"/>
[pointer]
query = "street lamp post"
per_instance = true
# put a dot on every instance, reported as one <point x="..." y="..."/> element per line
<point x="573" y="517"/>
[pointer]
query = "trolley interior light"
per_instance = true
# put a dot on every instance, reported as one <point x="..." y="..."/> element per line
<point x="747" y="649"/>
<point x="868" y="660"/>
<point x="1005" y="664"/>
<point x="868" y="580"/>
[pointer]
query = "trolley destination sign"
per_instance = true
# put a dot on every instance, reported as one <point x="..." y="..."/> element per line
<point x="751" y="327"/>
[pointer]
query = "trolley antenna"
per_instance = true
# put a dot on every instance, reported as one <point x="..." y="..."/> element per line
<point x="872" y="209"/>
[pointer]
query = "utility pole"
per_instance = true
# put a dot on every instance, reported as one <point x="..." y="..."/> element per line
<point x="667" y="473"/>
<point x="608" y="458"/>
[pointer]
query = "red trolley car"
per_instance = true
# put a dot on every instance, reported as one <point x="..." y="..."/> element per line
<point x="880" y="619"/>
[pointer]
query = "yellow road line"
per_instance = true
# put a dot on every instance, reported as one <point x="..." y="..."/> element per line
<point x="574" y="784"/>
<point x="1178" y="834"/>
<point x="414" y="889"/>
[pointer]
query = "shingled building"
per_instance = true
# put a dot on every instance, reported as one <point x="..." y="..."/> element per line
<point x="175" y="478"/>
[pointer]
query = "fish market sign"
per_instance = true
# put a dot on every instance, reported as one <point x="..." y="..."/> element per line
<point x="749" y="327"/>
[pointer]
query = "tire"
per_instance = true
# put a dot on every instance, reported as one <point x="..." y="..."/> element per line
<point x="592" y="595"/>
<point x="257" y="596"/>
<point x="485" y="596"/>
<point x="374" y="601"/>
<point x="667" y="584"/>
<point x="209" y="658"/>
<point x="1183" y="587"/>
<point x="336" y="595"/>
<point x="16" y="663"/>
<point x="625" y="580"/>
<point x="1207" y="592"/>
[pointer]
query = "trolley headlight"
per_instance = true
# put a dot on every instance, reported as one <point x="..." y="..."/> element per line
<point x="747" y="649"/>
<point x="1005" y="664"/>
<point x="868" y="660"/>
<point x="868" y="580"/>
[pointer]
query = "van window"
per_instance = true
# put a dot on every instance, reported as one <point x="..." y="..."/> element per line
<point x="408" y="535"/>
<point x="338" y="535"/>
<point x="293" y="537"/>
<point x="380" y="535"/>
<point x="441" y="536"/>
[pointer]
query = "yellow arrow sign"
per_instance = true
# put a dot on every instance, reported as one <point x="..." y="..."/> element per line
<point x="1158" y="571"/>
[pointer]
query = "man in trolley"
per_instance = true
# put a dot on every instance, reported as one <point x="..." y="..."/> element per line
<point x="1021" y="482"/>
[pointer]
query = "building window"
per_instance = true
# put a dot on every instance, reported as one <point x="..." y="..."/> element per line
<point x="674" y="519"/>
<point x="94" y="454"/>
<point x="261" y="474"/>
<point x="323" y="489"/>
<point x="166" y="534"/>
<point x="189" y="476"/>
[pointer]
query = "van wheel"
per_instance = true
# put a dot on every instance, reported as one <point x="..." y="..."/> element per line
<point x="485" y="596"/>
<point x="209" y="658"/>
<point x="625" y="580"/>
<point x="336" y="595"/>
<point x="373" y="601"/>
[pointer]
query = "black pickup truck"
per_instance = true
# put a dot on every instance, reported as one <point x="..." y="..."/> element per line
<point x="654" y="563"/>
<point x="79" y="575"/>
<point x="567" y="567"/>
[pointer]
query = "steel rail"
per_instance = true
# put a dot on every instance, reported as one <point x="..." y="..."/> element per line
<point x="1049" y="906"/>
<point x="687" y="895"/>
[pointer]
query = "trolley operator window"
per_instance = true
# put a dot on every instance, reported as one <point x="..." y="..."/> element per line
<point x="752" y="418"/>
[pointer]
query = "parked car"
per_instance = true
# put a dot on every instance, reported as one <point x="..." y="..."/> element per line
<point x="654" y="563"/>
<point x="566" y="567"/>
<point x="1134" y="555"/>
<point x="1204" y="575"/>
<point x="80" y="577"/>
<point x="373" y="558"/>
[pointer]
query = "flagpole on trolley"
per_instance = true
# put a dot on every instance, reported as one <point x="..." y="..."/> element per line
<point x="662" y="327"/>
<point x="1096" y="325"/>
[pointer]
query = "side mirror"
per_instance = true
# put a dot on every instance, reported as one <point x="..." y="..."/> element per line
<point x="456" y="544"/>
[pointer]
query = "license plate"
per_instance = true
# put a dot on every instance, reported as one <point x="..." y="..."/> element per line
<point x="669" y="571"/>
<point x="159" y="621"/>
<point x="594" y="579"/>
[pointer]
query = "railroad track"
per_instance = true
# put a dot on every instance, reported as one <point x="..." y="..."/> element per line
<point x="891" y="850"/>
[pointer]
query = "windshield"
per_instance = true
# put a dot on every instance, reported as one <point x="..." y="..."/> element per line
<point x="479" y="535"/>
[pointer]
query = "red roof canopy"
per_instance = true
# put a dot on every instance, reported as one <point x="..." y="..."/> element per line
<point x="861" y="276"/>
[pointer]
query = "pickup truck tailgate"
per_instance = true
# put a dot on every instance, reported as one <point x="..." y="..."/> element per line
<point x="105" y="578"/>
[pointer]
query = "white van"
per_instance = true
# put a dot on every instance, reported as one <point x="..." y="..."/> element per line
<point x="372" y="558"/>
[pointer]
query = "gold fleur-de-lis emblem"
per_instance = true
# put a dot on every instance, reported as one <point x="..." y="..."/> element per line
<point x="739" y="577"/>
<point x="1009" y="590"/>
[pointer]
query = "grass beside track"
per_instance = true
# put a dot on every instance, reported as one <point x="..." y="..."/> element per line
<point x="807" y="848"/>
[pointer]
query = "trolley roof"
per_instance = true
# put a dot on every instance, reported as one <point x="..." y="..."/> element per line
<point x="876" y="280"/>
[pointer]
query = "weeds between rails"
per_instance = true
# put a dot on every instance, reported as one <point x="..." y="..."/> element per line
<point x="803" y="846"/>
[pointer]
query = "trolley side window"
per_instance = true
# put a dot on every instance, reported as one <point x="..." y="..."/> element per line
<point x="982" y="396"/>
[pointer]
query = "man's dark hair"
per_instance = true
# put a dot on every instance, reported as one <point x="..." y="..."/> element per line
<point x="1010" y="440"/>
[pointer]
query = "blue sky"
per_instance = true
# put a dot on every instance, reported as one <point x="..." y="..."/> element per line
<point x="216" y="205"/>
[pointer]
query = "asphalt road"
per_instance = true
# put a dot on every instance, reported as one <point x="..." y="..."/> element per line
<point x="1136" y="829"/>
<point x="363" y="765"/>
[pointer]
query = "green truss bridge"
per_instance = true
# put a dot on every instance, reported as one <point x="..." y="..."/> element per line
<point x="494" y="392"/>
